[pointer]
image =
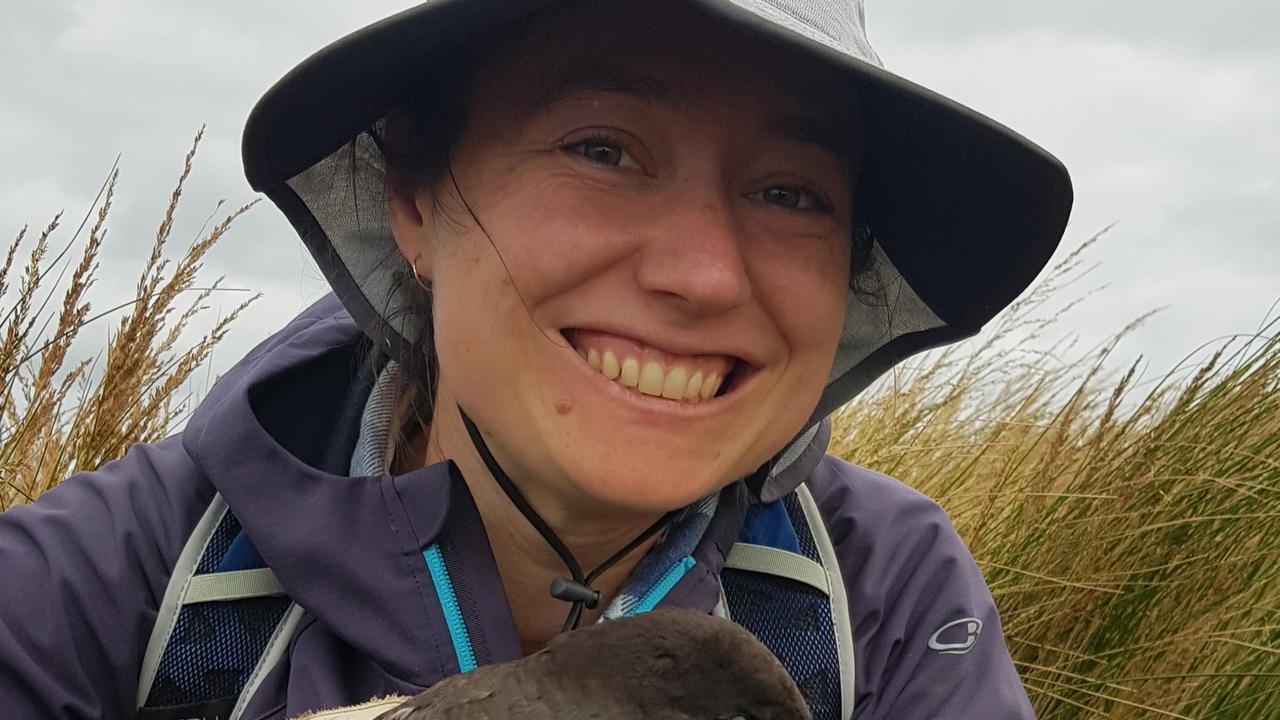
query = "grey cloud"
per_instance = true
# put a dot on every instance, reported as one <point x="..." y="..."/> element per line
<point x="1240" y="27"/>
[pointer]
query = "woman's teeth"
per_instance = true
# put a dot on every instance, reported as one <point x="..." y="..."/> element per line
<point x="679" y="382"/>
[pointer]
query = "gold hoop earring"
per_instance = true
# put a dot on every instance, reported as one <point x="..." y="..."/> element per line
<point x="418" y="278"/>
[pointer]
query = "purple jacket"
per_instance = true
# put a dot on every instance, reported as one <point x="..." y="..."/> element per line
<point x="85" y="567"/>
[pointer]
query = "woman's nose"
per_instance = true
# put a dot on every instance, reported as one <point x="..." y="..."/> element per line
<point x="694" y="253"/>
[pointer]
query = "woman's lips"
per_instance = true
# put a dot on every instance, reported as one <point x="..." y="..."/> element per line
<point x="649" y="370"/>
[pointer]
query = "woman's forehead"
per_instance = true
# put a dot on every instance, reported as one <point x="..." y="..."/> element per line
<point x="664" y="52"/>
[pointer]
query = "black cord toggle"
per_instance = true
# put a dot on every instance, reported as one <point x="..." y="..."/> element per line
<point x="572" y="592"/>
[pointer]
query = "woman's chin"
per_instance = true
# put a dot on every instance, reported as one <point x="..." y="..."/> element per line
<point x="646" y="486"/>
<point x="648" y="467"/>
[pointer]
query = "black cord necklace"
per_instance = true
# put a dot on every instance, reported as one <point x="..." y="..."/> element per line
<point x="576" y="589"/>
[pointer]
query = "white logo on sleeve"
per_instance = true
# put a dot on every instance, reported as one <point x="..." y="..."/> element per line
<point x="956" y="637"/>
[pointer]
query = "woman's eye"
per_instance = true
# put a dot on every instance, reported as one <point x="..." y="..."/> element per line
<point x="603" y="152"/>
<point x="793" y="198"/>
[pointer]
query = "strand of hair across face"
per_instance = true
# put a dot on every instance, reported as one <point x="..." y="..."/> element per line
<point x="467" y="206"/>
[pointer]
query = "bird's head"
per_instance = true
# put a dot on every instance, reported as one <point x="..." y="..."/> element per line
<point x="679" y="664"/>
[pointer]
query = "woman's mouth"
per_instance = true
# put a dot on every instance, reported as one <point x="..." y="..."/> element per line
<point x="654" y="372"/>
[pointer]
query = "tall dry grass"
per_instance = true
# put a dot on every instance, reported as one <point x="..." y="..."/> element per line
<point x="59" y="415"/>
<point x="1130" y="531"/>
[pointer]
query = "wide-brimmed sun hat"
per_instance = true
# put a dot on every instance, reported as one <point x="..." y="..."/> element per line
<point x="965" y="212"/>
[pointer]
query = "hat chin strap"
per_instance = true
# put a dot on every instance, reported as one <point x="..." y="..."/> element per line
<point x="576" y="589"/>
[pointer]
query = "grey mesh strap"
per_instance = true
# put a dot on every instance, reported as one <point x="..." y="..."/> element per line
<point x="276" y="648"/>
<point x="772" y="561"/>
<point x="233" y="585"/>
<point x="183" y="570"/>
<point x="839" y="598"/>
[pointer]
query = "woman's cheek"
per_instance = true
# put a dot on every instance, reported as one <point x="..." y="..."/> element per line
<point x="807" y="279"/>
<point x="561" y="240"/>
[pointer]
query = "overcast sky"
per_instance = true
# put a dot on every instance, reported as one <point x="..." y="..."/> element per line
<point x="1167" y="114"/>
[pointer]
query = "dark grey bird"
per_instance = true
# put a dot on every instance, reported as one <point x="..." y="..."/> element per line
<point x="663" y="665"/>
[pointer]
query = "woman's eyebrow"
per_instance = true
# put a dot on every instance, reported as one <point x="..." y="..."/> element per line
<point x="601" y="79"/>
<point x="824" y="134"/>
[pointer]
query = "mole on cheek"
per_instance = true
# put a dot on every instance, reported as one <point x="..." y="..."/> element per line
<point x="563" y="407"/>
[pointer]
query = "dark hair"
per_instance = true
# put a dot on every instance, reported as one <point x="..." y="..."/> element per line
<point x="417" y="139"/>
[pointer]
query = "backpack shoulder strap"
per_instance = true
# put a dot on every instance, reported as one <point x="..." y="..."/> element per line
<point x="782" y="581"/>
<point x="223" y="623"/>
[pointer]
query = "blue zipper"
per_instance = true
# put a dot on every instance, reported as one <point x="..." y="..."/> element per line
<point x="449" y="603"/>
<point x="654" y="595"/>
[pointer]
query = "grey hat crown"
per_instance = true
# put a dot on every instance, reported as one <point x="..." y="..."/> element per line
<point x="838" y="24"/>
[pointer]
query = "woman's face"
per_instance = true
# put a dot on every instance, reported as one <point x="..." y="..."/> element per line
<point x="645" y="299"/>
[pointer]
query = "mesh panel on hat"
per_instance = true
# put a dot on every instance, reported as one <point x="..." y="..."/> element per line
<point x="885" y="308"/>
<point x="346" y="194"/>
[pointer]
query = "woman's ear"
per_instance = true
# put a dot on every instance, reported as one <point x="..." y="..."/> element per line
<point x="405" y="212"/>
<point x="409" y="228"/>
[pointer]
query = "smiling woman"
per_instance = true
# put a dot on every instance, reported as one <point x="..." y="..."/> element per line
<point x="663" y="220"/>
<point x="600" y="271"/>
<point x="668" y="219"/>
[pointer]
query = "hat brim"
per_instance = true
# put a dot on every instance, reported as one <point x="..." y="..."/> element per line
<point x="967" y="210"/>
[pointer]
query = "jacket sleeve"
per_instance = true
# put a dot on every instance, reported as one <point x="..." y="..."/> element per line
<point x="927" y="638"/>
<point x="82" y="573"/>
